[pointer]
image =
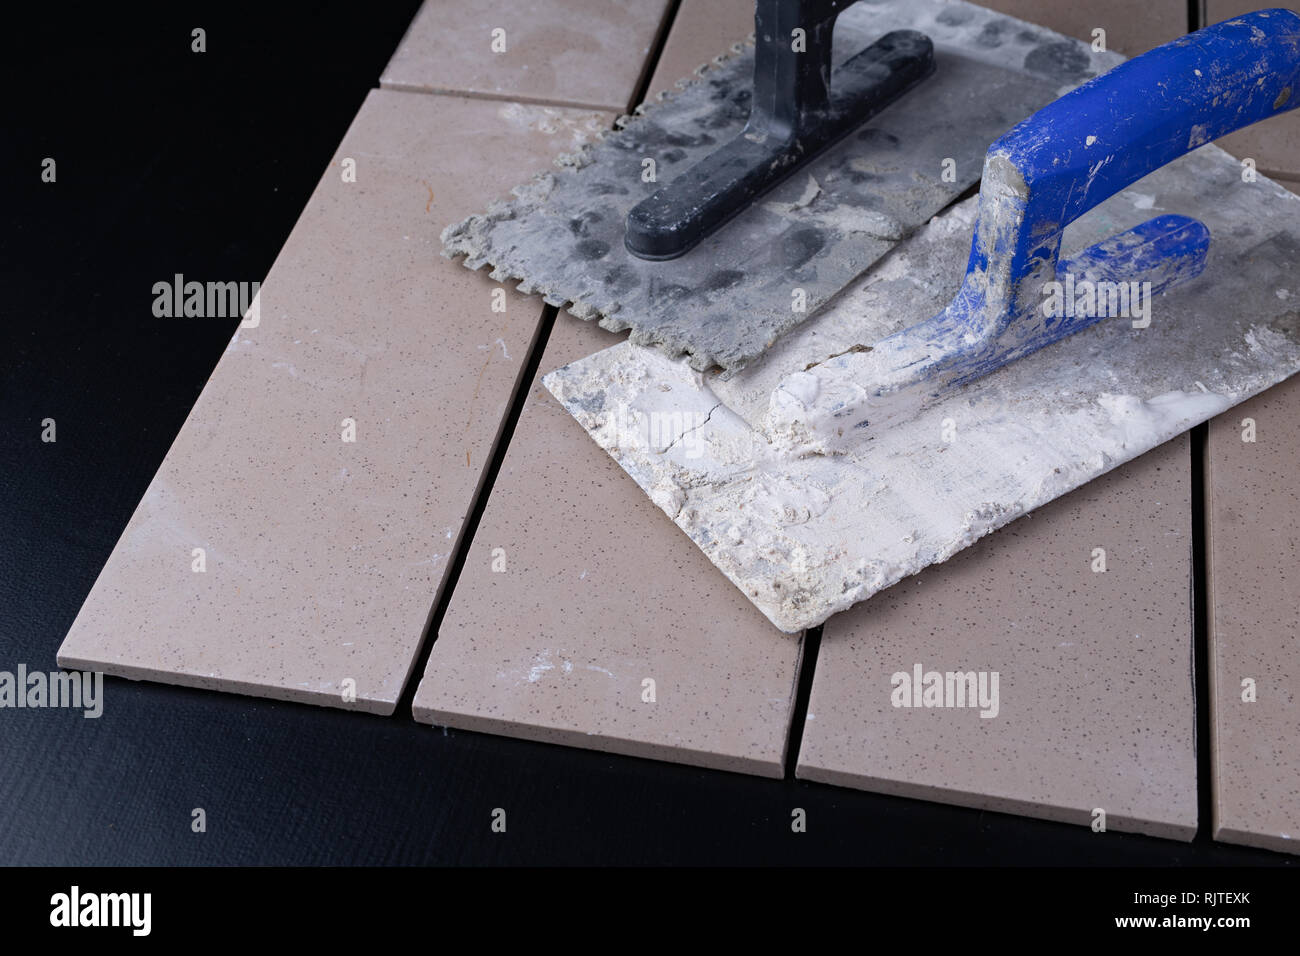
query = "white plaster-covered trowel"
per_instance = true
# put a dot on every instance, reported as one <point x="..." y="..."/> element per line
<point x="932" y="404"/>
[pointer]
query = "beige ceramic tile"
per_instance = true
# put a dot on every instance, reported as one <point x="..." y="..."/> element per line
<point x="586" y="53"/>
<point x="1095" y="688"/>
<point x="322" y="558"/>
<point x="577" y="590"/>
<point x="1273" y="145"/>
<point x="702" y="31"/>
<point x="1253" y="516"/>
<point x="1131" y="28"/>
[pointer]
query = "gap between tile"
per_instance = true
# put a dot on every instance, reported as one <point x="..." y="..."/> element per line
<point x="479" y="500"/>
<point x="812" y="642"/>
<point x="641" y="87"/>
<point x="1202" y="698"/>
<point x="638" y="90"/>
<point x="496" y="97"/>
<point x="506" y="430"/>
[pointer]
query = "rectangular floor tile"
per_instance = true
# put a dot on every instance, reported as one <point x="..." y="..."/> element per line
<point x="586" y="53"/>
<point x="1253" y="519"/>
<point x="702" y="31"/>
<point x="1274" y="145"/>
<point x="323" y="556"/>
<point x="1094" y="703"/>
<point x="579" y="598"/>
<point x="1130" y="28"/>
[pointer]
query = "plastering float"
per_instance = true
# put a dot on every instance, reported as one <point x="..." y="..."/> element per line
<point x="720" y="216"/>
<point x="931" y="403"/>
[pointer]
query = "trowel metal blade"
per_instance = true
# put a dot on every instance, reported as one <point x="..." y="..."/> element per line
<point x="781" y="260"/>
<point x="807" y="537"/>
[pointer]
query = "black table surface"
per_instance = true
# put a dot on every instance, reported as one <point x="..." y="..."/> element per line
<point x="170" y="161"/>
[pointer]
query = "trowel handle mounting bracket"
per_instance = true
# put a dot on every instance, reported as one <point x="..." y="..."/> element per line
<point x="792" y="90"/>
<point x="799" y="108"/>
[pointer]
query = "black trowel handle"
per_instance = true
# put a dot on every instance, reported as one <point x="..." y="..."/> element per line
<point x="799" y="108"/>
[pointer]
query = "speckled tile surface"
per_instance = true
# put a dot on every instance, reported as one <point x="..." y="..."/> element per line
<point x="1253" y="520"/>
<point x="596" y="592"/>
<point x="1131" y="28"/>
<point x="1273" y="145"/>
<point x="585" y="53"/>
<point x="322" y="557"/>
<point x="1094" y="704"/>
<point x="702" y="30"/>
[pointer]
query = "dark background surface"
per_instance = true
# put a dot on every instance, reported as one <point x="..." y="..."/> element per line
<point x="170" y="161"/>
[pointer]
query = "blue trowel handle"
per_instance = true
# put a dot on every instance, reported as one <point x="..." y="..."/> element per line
<point x="1112" y="131"/>
<point x="1038" y="178"/>
<point x="1109" y="133"/>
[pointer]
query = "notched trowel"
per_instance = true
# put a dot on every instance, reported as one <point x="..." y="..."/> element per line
<point x="722" y="216"/>
<point x="929" y="405"/>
